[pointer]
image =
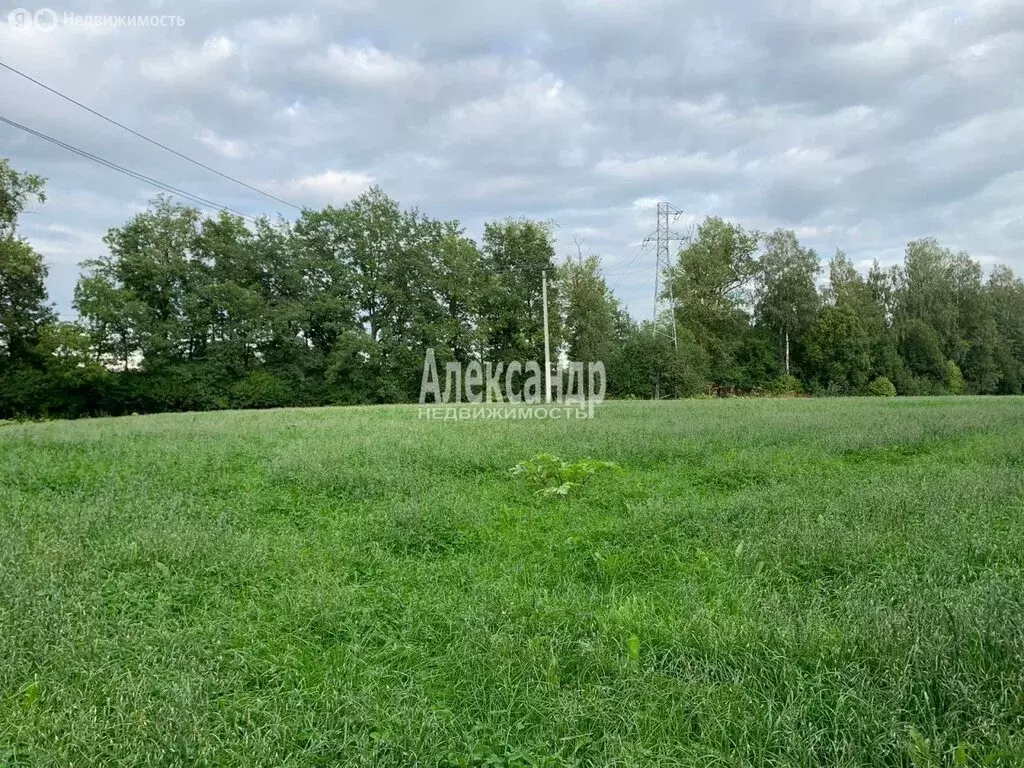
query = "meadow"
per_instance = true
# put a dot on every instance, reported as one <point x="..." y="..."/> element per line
<point x="833" y="582"/>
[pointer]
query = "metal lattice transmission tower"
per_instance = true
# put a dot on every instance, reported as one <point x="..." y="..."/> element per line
<point x="663" y="239"/>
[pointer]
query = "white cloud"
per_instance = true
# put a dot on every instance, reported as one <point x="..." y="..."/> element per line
<point x="191" y="63"/>
<point x="287" y="31"/>
<point x="330" y="187"/>
<point x="362" y="66"/>
<point x="656" y="167"/>
<point x="646" y="203"/>
<point x="545" y="104"/>
<point x="226" y="147"/>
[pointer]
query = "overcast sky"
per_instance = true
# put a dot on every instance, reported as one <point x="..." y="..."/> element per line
<point x="860" y="124"/>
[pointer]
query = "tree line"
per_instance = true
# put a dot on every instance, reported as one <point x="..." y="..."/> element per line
<point x="193" y="312"/>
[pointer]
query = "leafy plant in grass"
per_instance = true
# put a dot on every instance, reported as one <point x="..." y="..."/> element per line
<point x="557" y="477"/>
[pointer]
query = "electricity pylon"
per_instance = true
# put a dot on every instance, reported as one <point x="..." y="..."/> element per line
<point x="663" y="238"/>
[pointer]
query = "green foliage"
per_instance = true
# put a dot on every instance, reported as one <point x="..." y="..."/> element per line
<point x="756" y="364"/>
<point x="17" y="192"/>
<point x="839" y="351"/>
<point x="593" y="320"/>
<point x="24" y="310"/>
<point x="954" y="379"/>
<point x="711" y="287"/>
<point x="556" y="477"/>
<point x="921" y="347"/>
<point x="881" y="387"/>
<point x="645" y="364"/>
<point x="785" y="386"/>
<point x="1005" y="292"/>
<point x="194" y="312"/>
<point x="260" y="389"/>
<point x="787" y="299"/>
<point x="515" y="253"/>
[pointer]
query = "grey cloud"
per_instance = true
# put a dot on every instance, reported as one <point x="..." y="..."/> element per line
<point x="860" y="125"/>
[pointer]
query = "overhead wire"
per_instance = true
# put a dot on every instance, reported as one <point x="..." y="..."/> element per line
<point x="142" y="136"/>
<point x="191" y="197"/>
<point x="632" y="259"/>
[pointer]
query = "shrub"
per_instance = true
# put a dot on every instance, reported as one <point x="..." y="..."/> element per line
<point x="261" y="389"/>
<point x="785" y="385"/>
<point x="882" y="387"/>
<point x="954" y="379"/>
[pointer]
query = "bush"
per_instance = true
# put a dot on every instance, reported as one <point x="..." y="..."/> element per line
<point x="882" y="387"/>
<point x="785" y="386"/>
<point x="954" y="379"/>
<point x="261" y="389"/>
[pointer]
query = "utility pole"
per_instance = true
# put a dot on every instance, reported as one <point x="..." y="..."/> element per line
<point x="547" y="338"/>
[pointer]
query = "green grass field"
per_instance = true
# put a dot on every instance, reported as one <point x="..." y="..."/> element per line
<point x="770" y="582"/>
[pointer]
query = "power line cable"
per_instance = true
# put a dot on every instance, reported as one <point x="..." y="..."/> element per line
<point x="126" y="171"/>
<point x="637" y="250"/>
<point x="512" y="269"/>
<point x="154" y="142"/>
<point x="530" y="270"/>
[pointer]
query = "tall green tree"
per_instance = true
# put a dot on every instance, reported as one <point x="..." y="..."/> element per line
<point x="975" y="351"/>
<point x="645" y="364"/>
<point x="593" y="320"/>
<point x="461" y="283"/>
<point x="136" y="297"/>
<point x="1005" y="292"/>
<point x="385" y="261"/>
<point x="869" y="300"/>
<point x="516" y="253"/>
<point x="926" y="289"/>
<point x="711" y="287"/>
<point x="24" y="305"/>
<point x="24" y="308"/>
<point x="921" y="348"/>
<point x="945" y="291"/>
<point x="787" y="300"/>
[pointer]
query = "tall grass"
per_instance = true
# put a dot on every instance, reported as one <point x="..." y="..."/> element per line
<point x="791" y="583"/>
